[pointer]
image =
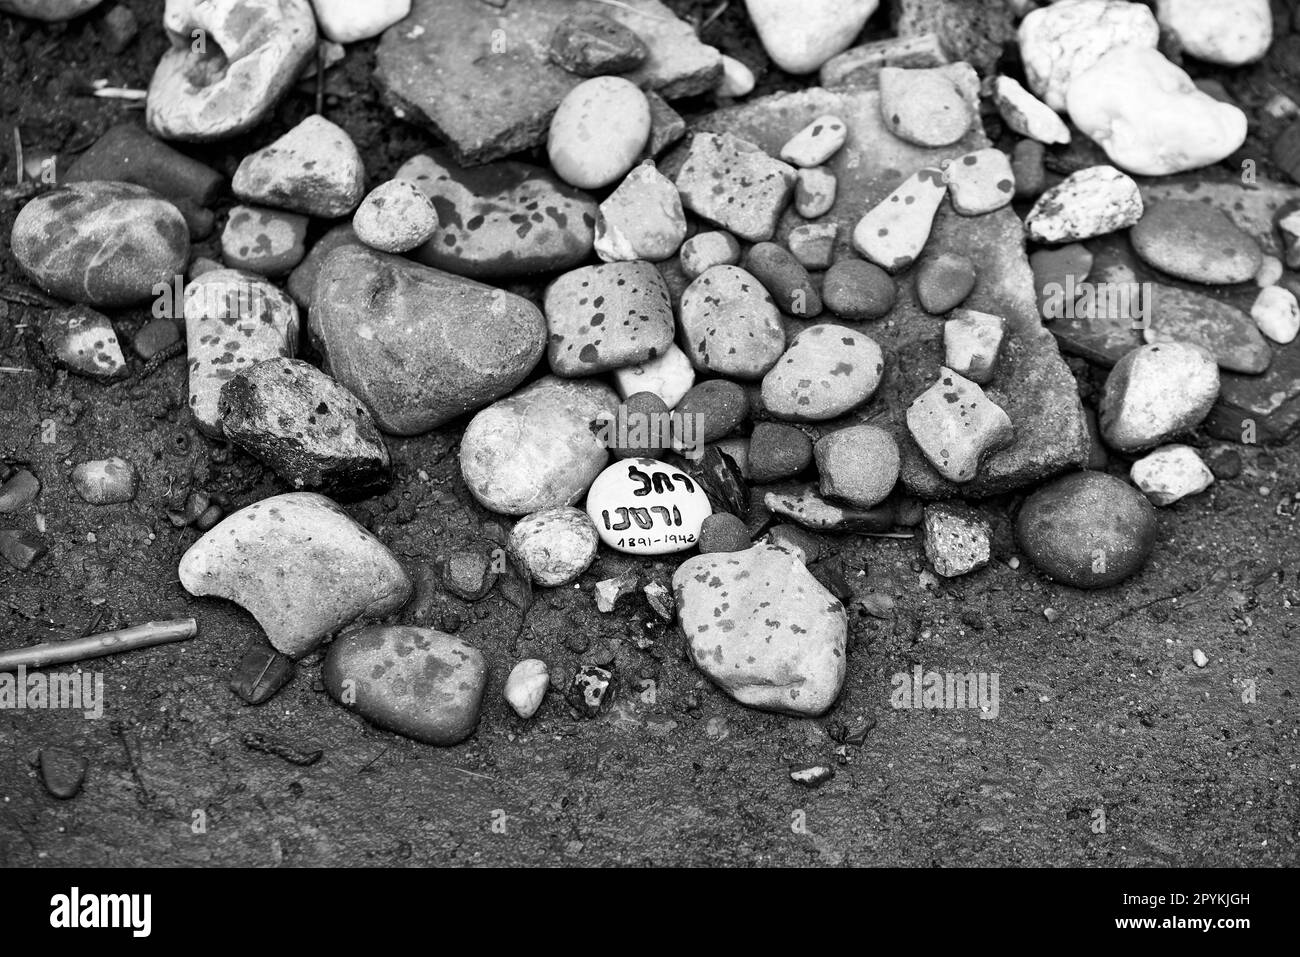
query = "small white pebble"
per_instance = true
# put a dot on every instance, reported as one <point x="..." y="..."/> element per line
<point x="737" y="79"/>
<point x="1199" y="657"/>
<point x="1013" y="562"/>
<point x="1270" y="271"/>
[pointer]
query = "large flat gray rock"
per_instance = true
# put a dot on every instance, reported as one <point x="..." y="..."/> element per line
<point x="1032" y="384"/>
<point x="480" y="77"/>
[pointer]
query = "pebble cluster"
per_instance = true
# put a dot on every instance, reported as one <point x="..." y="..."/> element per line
<point x="707" y="327"/>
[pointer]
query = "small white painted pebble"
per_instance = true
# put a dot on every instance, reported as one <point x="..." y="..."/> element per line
<point x="1169" y="473"/>
<point x="395" y="218"/>
<point x="526" y="686"/>
<point x="815" y="143"/>
<point x="645" y="507"/>
<point x="1200" y="658"/>
<point x="1277" y="313"/>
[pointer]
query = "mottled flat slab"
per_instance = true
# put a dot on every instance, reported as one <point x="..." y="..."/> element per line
<point x="1032" y="384"/>
<point x="479" y="74"/>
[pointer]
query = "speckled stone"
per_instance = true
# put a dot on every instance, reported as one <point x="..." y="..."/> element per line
<point x="417" y="345"/>
<point x="605" y="317"/>
<point x="1089" y="530"/>
<point x="590" y="44"/>
<point x="730" y="325"/>
<point x="416" y="682"/>
<point x="1092" y="202"/>
<point x="894" y="232"/>
<point x="827" y="371"/>
<point x="956" y="539"/>
<point x="313" y="169"/>
<point x="1170" y="473"/>
<point x="233" y="320"/>
<point x="299" y="565"/>
<point x="815" y="143"/>
<point x="813" y="244"/>
<point x="264" y="241"/>
<point x="312" y="431"/>
<point x="501" y="221"/>
<point x="807" y="507"/>
<point x="814" y="192"/>
<point x="763" y="629"/>
<point x="102" y="244"/>
<point x="731" y="182"/>
<point x="83" y="340"/>
<point x="956" y="425"/>
<point x="980" y="181"/>
<point x="642" y="219"/>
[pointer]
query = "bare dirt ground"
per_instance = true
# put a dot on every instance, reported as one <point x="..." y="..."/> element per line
<point x="1101" y="709"/>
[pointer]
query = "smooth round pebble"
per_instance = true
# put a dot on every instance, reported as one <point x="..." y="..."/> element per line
<point x="1196" y="242"/>
<point x="395" y="217"/>
<point x="1089" y="530"/>
<point x="644" y="507"/>
<point x="858" y="465"/>
<point x="704" y="250"/>
<point x="1277" y="314"/>
<point x="110" y="481"/>
<point x="944" y="281"/>
<point x="857" y="289"/>
<point x="1155" y="392"/>
<point x="598" y="132"/>
<point x="555" y="545"/>
<point x="718" y="407"/>
<point x="737" y="79"/>
<point x="785" y="278"/>
<point x="723" y="532"/>
<point x="778" y="451"/>
<point x="827" y="371"/>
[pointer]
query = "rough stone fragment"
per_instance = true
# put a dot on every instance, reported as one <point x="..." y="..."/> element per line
<point x="971" y="341"/>
<point x="955" y="425"/>
<point x="1091" y="202"/>
<point x="642" y="219"/>
<point x="526" y="686"/>
<point x="956" y="539"/>
<point x="732" y="182"/>
<point x="314" y="169"/>
<point x="800" y="38"/>
<point x="1169" y="473"/>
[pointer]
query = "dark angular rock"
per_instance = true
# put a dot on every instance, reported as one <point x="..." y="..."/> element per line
<point x="261" y="673"/>
<point x="19" y="491"/>
<point x="128" y="154"/>
<point x="596" y="45"/>
<point x="311" y="430"/>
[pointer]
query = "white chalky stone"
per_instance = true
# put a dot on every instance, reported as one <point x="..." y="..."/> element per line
<point x="669" y="376"/>
<point x="1231" y="34"/>
<point x="815" y="143"/>
<point x="1277" y="313"/>
<point x="598" y="131"/>
<point x="644" y="507"/>
<point x="1026" y="114"/>
<point x="737" y="79"/>
<point x="801" y="36"/>
<point x="1169" y="473"/>
<point x="526" y="686"/>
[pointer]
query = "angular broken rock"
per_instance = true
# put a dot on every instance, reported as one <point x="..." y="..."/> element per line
<point x="805" y="506"/>
<point x="315" y="169"/>
<point x="495" y="87"/>
<point x="732" y="182"/>
<point x="861" y="65"/>
<point x="595" y="45"/>
<point x="233" y="320"/>
<point x="763" y="629"/>
<point x="300" y="422"/>
<point x="300" y="566"/>
<point x="417" y="345"/>
<point x="955" y="425"/>
<point x="956" y="539"/>
<point x="501" y="221"/>
<point x="642" y="219"/>
<point x="416" y="682"/>
<point x="730" y="325"/>
<point x="539" y="447"/>
<point x="971" y="341"/>
<point x="893" y="233"/>
<point x="669" y="377"/>
<point x="230" y="62"/>
<point x="1091" y="202"/>
<point x="83" y="340"/>
<point x="1169" y="473"/>
<point x="1156" y="392"/>
<point x="601" y="318"/>
<point x="527" y="685"/>
<point x="1027" y="115"/>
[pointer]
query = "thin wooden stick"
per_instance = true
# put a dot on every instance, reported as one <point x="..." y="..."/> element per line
<point x="96" y="646"/>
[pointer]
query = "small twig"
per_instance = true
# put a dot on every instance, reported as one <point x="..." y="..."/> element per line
<point x="97" y="646"/>
<point x="320" y="79"/>
<point x="12" y="369"/>
<point x="907" y="535"/>
<point x="708" y="21"/>
<point x="24" y="296"/>
<point x="18" y="155"/>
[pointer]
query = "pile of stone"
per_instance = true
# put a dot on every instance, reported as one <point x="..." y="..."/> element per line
<point x="816" y="308"/>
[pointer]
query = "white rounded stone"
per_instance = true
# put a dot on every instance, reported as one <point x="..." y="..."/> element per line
<point x="598" y="131"/>
<point x="1276" y="313"/>
<point x="395" y="218"/>
<point x="669" y="376"/>
<point x="1028" y="115"/>
<point x="1149" y="116"/>
<point x="526" y="686"/>
<point x="347" y="21"/>
<point x="737" y="79"/>
<point x="801" y="36"/>
<point x="555" y="545"/>
<point x="644" y="507"/>
<point x="1170" y="473"/>
<point x="1229" y="33"/>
